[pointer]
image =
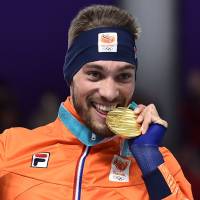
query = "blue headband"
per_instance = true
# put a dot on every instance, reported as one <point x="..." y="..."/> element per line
<point x="110" y="43"/>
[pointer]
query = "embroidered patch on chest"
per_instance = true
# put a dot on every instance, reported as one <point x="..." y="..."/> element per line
<point x="119" y="169"/>
<point x="40" y="160"/>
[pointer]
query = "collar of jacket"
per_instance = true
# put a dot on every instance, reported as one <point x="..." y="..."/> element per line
<point x="75" y="125"/>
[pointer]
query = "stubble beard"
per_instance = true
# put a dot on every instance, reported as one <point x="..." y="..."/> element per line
<point x="97" y="128"/>
<point x="84" y="112"/>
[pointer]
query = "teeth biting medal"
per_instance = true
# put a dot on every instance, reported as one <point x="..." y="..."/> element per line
<point x="122" y="122"/>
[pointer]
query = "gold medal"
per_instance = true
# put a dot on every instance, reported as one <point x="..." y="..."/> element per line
<point x="122" y="121"/>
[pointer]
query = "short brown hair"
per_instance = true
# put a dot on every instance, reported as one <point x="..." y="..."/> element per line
<point x="101" y="16"/>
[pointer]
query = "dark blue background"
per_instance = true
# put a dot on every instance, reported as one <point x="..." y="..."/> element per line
<point x="33" y="43"/>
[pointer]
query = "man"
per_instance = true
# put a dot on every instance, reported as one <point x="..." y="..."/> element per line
<point x="78" y="156"/>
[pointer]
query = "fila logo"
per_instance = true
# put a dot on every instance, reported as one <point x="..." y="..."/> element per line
<point x="40" y="160"/>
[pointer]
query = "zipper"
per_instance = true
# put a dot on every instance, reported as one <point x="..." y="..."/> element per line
<point x="80" y="173"/>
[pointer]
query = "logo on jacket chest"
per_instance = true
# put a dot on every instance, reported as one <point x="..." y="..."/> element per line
<point x="119" y="169"/>
<point x="40" y="160"/>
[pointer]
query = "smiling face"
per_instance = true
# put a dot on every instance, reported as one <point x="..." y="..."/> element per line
<point x="100" y="86"/>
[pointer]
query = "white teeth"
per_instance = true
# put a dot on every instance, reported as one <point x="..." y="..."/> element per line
<point x="105" y="108"/>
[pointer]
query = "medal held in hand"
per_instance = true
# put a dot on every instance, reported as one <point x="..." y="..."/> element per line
<point x="122" y="122"/>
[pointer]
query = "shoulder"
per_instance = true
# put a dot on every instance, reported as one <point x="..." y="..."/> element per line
<point x="170" y="161"/>
<point x="16" y="141"/>
<point x="21" y="131"/>
<point x="19" y="135"/>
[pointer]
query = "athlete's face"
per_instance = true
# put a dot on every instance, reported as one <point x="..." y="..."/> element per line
<point x="100" y="86"/>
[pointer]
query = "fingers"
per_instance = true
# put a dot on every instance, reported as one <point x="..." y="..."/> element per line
<point x="161" y="122"/>
<point x="139" y="109"/>
<point x="146" y="122"/>
<point x="147" y="115"/>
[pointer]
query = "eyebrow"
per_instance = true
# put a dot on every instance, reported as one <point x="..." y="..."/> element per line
<point x="127" y="66"/>
<point x="96" y="66"/>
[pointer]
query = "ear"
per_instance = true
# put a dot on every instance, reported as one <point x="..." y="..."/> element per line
<point x="71" y="88"/>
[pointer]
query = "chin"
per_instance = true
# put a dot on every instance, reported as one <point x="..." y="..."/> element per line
<point x="101" y="130"/>
<point x="103" y="133"/>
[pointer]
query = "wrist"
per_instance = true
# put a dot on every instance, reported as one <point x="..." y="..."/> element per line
<point x="148" y="157"/>
<point x="161" y="122"/>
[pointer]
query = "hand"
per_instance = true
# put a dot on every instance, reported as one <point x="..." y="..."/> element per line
<point x="145" y="147"/>
<point x="148" y="115"/>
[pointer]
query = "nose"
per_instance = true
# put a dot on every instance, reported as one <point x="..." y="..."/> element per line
<point x="109" y="90"/>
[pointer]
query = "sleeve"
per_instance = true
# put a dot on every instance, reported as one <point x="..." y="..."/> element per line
<point x="3" y="138"/>
<point x="168" y="182"/>
<point x="179" y="186"/>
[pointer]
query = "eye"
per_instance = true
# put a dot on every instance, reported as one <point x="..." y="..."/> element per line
<point x="125" y="77"/>
<point x="94" y="75"/>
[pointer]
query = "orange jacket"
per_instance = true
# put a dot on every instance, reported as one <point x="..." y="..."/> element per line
<point x="51" y="163"/>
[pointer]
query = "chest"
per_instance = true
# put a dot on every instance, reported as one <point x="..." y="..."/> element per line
<point x="70" y="172"/>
